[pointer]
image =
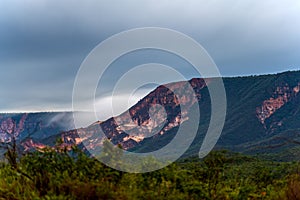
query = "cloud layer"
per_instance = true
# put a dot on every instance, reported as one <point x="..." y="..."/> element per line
<point x="42" y="43"/>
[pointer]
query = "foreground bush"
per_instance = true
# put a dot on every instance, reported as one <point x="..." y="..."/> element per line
<point x="61" y="174"/>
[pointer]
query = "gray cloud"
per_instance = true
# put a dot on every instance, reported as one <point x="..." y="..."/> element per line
<point x="42" y="43"/>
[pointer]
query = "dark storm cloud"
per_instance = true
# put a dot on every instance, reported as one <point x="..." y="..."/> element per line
<point x="42" y="43"/>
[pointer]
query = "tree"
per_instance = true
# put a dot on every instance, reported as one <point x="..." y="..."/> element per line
<point x="214" y="165"/>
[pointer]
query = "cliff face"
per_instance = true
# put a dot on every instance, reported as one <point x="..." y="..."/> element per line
<point x="163" y="104"/>
<point x="131" y="128"/>
<point x="281" y="96"/>
<point x="259" y="108"/>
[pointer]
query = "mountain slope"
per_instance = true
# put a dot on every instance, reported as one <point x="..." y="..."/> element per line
<point x="259" y="110"/>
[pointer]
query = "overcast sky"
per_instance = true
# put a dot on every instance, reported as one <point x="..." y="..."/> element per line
<point x="43" y="43"/>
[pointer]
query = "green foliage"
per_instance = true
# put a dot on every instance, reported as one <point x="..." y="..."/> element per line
<point x="63" y="174"/>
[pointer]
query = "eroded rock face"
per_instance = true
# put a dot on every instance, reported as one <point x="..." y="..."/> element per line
<point x="10" y="128"/>
<point x="280" y="97"/>
<point x="169" y="104"/>
<point x="161" y="110"/>
<point x="30" y="144"/>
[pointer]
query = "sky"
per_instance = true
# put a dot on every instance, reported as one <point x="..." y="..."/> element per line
<point x="43" y="43"/>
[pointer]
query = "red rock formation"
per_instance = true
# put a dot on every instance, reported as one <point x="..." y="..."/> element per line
<point x="129" y="129"/>
<point x="281" y="96"/>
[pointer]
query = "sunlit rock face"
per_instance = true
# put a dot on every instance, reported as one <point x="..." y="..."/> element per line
<point x="280" y="97"/>
<point x="168" y="104"/>
<point x="161" y="110"/>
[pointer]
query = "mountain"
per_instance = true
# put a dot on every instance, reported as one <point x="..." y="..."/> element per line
<point x="39" y="125"/>
<point x="29" y="127"/>
<point x="263" y="116"/>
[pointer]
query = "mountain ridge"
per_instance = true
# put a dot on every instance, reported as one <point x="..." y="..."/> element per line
<point x="259" y="108"/>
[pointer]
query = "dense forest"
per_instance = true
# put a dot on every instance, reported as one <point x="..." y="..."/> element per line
<point x="58" y="173"/>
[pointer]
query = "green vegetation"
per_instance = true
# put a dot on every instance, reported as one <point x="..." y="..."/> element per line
<point x="61" y="174"/>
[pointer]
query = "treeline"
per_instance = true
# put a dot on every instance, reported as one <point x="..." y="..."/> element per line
<point x="56" y="174"/>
